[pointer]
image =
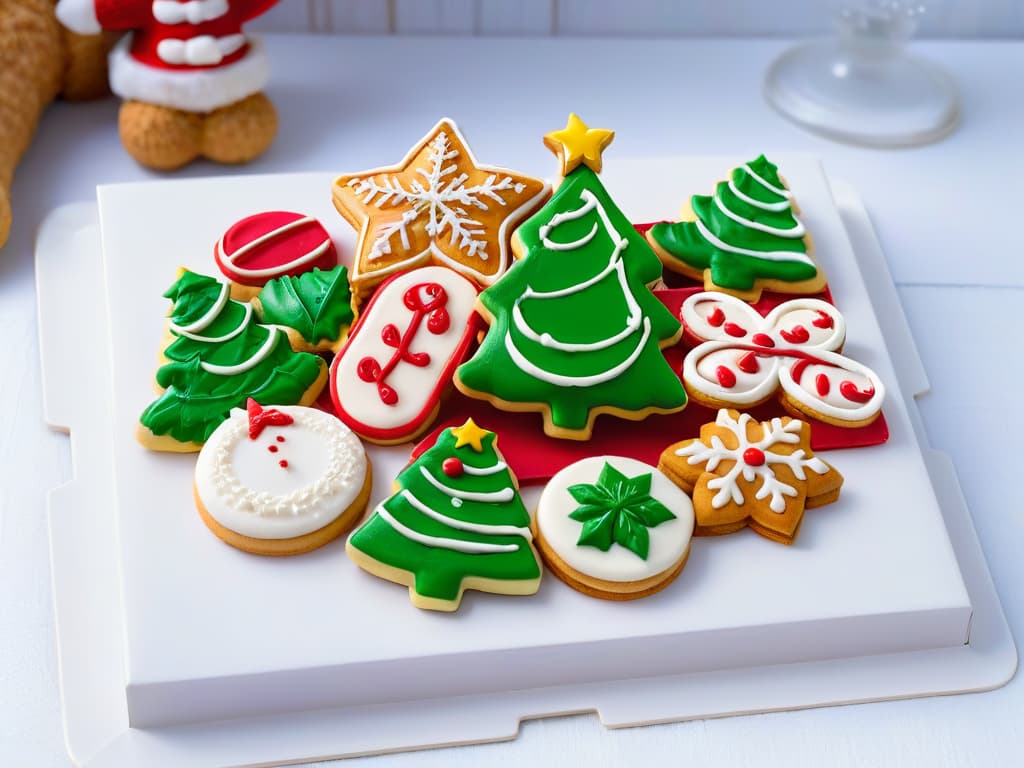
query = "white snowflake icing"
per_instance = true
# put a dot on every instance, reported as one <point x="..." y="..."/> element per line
<point x="775" y="433"/>
<point x="447" y="202"/>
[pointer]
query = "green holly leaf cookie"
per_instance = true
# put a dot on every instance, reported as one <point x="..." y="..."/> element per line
<point x="316" y="303"/>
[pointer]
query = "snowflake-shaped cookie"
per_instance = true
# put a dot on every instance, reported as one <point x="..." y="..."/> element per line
<point x="437" y="205"/>
<point x="742" y="359"/>
<point x="743" y="472"/>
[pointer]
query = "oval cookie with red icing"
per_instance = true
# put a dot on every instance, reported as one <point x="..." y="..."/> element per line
<point x="273" y="244"/>
<point x="388" y="379"/>
<point x="281" y="480"/>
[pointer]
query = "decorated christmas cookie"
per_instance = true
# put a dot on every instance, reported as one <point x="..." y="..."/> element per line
<point x="743" y="472"/>
<point x="743" y="239"/>
<point x="614" y="527"/>
<point x="388" y="380"/>
<point x="455" y="522"/>
<point x="217" y="358"/>
<point x="281" y="480"/>
<point x="743" y="359"/>
<point x="438" y="205"/>
<point x="575" y="330"/>
<point x="313" y="308"/>
<point x="269" y="245"/>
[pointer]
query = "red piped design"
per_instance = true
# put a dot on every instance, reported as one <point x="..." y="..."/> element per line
<point x="725" y="377"/>
<point x="823" y="320"/>
<point x="763" y="340"/>
<point x="260" y="418"/>
<point x="737" y="331"/>
<point x="798" y="335"/>
<point x="748" y="363"/>
<point x="754" y="457"/>
<point x="716" y="317"/>
<point x="821" y="384"/>
<point x="849" y="390"/>
<point x="424" y="300"/>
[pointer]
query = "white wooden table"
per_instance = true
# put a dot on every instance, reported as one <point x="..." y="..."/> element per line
<point x="948" y="217"/>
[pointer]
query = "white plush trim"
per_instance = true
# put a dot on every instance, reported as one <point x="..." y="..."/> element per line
<point x="202" y="90"/>
<point x="79" y="16"/>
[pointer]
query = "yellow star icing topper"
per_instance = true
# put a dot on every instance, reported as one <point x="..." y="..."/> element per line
<point x="470" y="434"/>
<point x="578" y="143"/>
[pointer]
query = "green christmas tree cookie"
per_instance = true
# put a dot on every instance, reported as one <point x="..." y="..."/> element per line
<point x="313" y="308"/>
<point x="456" y="523"/>
<point x="219" y="357"/>
<point x="575" y="330"/>
<point x="743" y="239"/>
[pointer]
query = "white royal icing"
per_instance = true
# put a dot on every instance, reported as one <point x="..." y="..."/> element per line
<point x="416" y="386"/>
<point x="668" y="541"/>
<point x="491" y="497"/>
<point x="193" y="12"/>
<point x="312" y="255"/>
<point x="768" y="255"/>
<point x="243" y="487"/>
<point x="634" y="321"/>
<point x="465" y="525"/>
<point x="771" y="487"/>
<point x="494" y="469"/>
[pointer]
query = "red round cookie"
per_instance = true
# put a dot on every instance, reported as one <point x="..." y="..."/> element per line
<point x="272" y="244"/>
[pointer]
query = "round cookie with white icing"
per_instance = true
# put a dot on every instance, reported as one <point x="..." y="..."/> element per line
<point x="281" y="480"/>
<point x="614" y="528"/>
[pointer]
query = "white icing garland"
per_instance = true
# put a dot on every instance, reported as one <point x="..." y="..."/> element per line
<point x="781" y="191"/>
<point x="767" y="255"/>
<point x="218" y="339"/>
<point x="494" y="469"/>
<point x="776" y="207"/>
<point x="791" y="232"/>
<point x="258" y="357"/>
<point x="465" y="525"/>
<point x="488" y="497"/>
<point x="210" y="315"/>
<point x="771" y="487"/>
<point x="459" y="545"/>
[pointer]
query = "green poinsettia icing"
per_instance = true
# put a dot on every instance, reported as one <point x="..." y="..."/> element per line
<point x="618" y="510"/>
<point x="315" y="303"/>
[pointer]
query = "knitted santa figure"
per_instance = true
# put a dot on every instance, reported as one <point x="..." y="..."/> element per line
<point x="190" y="77"/>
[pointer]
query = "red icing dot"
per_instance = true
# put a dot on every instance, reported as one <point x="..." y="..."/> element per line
<point x="735" y="330"/>
<point x="283" y="463"/>
<point x="725" y="377"/>
<point x="272" y="448"/>
<point x="754" y="457"/>
<point x="452" y="467"/>
<point x="821" y="384"/>
<point x="716" y="317"/>
<point x="823" y="320"/>
<point x="280" y="438"/>
<point x="762" y="340"/>
<point x="748" y="363"/>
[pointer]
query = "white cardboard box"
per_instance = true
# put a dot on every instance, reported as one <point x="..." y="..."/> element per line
<point x="210" y="633"/>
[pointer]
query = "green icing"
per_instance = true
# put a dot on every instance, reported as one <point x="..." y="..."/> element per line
<point x="618" y="509"/>
<point x="440" y="569"/>
<point x="595" y="342"/>
<point x="738" y="271"/>
<point x="315" y="303"/>
<point x="196" y="400"/>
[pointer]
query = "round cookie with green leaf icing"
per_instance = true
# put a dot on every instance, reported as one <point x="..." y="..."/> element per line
<point x="614" y="527"/>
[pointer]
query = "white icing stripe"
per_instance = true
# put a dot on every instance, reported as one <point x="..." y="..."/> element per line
<point x="494" y="469"/>
<point x="547" y="340"/>
<point x="193" y="12"/>
<point x="576" y="381"/>
<point x="768" y="255"/>
<point x="245" y="365"/>
<point x="490" y="497"/>
<point x="200" y="51"/>
<point x="767" y="184"/>
<point x="465" y="525"/>
<point x="794" y="232"/>
<point x="472" y="547"/>
<point x="217" y="339"/>
<point x="210" y="315"/>
<point x="780" y="206"/>
<point x="275" y="233"/>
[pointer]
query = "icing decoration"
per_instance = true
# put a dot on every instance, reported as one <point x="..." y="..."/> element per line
<point x="260" y="418"/>
<point x="603" y="482"/>
<point x="738" y="462"/>
<point x="746" y="234"/>
<point x="578" y="143"/>
<point x="387" y="380"/>
<point x="421" y="537"/>
<point x="453" y="467"/>
<point x="234" y="358"/>
<point x="302" y="487"/>
<point x="574" y="327"/>
<point x="792" y="353"/>
<point x="617" y="509"/>
<point x="472" y="435"/>
<point x="438" y="205"/>
<point x="272" y="245"/>
<point x="191" y="55"/>
<point x="315" y="304"/>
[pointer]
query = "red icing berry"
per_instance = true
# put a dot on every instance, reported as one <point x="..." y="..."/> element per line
<point x="821" y="384"/>
<point x="762" y="340"/>
<point x="452" y="467"/>
<point x="738" y="331"/>
<point x="748" y="363"/>
<point x="283" y="463"/>
<point x="272" y="448"/>
<point x="753" y="456"/>
<point x="725" y="377"/>
<point x="280" y="438"/>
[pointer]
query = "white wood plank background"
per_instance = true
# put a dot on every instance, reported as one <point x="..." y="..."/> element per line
<point x="632" y="18"/>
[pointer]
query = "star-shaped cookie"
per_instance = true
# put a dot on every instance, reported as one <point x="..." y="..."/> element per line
<point x="438" y="205"/>
<point x="743" y="472"/>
